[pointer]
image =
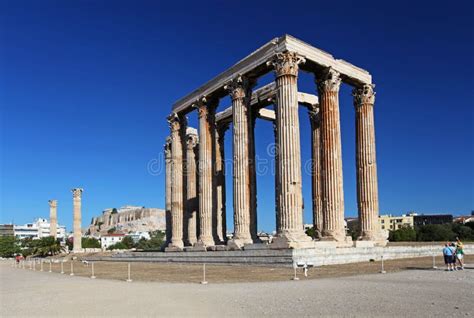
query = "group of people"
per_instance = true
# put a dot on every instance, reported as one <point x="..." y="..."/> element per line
<point x="454" y="254"/>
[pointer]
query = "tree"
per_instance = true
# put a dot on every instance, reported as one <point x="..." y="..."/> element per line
<point x="117" y="246"/>
<point x="44" y="246"/>
<point x="310" y="232"/>
<point x="435" y="232"/>
<point x="111" y="230"/>
<point x="155" y="243"/>
<point x="9" y="246"/>
<point x="404" y="234"/>
<point x="128" y="242"/>
<point x="90" y="242"/>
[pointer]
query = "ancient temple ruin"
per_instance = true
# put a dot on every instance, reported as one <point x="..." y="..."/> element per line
<point x="195" y="176"/>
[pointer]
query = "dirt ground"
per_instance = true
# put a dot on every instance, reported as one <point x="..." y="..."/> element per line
<point x="193" y="273"/>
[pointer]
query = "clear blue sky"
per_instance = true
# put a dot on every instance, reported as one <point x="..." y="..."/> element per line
<point x="86" y="87"/>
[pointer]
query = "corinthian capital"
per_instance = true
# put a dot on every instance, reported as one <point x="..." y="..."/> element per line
<point x="77" y="193"/>
<point x="176" y="121"/>
<point x="286" y="63"/>
<point x="167" y="147"/>
<point x="205" y="107"/>
<point x="239" y="88"/>
<point x="53" y="203"/>
<point x="191" y="141"/>
<point x="329" y="80"/>
<point x="364" y="95"/>
<point x="313" y="112"/>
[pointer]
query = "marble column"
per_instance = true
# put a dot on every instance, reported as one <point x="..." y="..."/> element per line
<point x="274" y="149"/>
<point x="290" y="198"/>
<point x="253" y="177"/>
<point x="53" y="218"/>
<point x="240" y="93"/>
<point x="328" y="83"/>
<point x="168" y="189"/>
<point x="77" y="219"/>
<point x="206" y="112"/>
<point x="315" y="122"/>
<point x="178" y="127"/>
<point x="220" y="183"/>
<point x="192" y="187"/>
<point x="367" y="186"/>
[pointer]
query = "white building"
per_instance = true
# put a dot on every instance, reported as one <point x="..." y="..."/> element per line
<point x="138" y="235"/>
<point x="38" y="229"/>
<point x="110" y="239"/>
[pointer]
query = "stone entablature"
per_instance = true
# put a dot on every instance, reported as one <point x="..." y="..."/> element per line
<point x="129" y="218"/>
<point x="256" y="64"/>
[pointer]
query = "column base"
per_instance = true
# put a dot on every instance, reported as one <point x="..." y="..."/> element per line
<point x="334" y="235"/>
<point x="177" y="244"/>
<point x="292" y="240"/>
<point x="340" y="241"/>
<point x="205" y="242"/>
<point x="172" y="248"/>
<point x="379" y="238"/>
<point x="238" y="244"/>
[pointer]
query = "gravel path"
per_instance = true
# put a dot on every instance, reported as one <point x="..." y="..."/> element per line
<point x="412" y="293"/>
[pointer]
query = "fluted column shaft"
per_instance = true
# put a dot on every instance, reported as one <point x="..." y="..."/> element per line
<point x="331" y="156"/>
<point x="177" y="125"/>
<point x="168" y="164"/>
<point x="290" y="201"/>
<point x="206" y="125"/>
<point x="239" y="92"/>
<point x="53" y="218"/>
<point x="77" y="219"/>
<point x="253" y="176"/>
<point x="315" y="122"/>
<point x="367" y="186"/>
<point x="220" y="183"/>
<point x="191" y="189"/>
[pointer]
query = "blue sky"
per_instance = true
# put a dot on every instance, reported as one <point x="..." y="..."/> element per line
<point x="85" y="87"/>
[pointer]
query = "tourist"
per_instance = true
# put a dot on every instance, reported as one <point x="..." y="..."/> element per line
<point x="459" y="253"/>
<point x="452" y="246"/>
<point x="448" y="257"/>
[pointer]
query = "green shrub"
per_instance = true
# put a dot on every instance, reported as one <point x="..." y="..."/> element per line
<point x="405" y="234"/>
<point x="117" y="246"/>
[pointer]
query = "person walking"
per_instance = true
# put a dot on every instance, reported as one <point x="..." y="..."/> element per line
<point x="459" y="253"/>
<point x="448" y="257"/>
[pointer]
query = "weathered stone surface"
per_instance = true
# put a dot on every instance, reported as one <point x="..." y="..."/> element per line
<point x="239" y="90"/>
<point x="290" y="201"/>
<point x="192" y="204"/>
<point x="77" y="219"/>
<point x="206" y="111"/>
<point x="367" y="185"/>
<point x="53" y="218"/>
<point x="178" y="129"/>
<point x="332" y="192"/>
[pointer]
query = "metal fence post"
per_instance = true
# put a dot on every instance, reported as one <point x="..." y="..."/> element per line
<point x="129" y="278"/>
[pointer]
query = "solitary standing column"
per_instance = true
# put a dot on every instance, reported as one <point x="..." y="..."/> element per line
<point x="315" y="122"/>
<point x="53" y="218"/>
<point x="177" y="125"/>
<point x="220" y="182"/>
<point x="191" y="189"/>
<point x="367" y="187"/>
<point x="168" y="189"/>
<point x="331" y="156"/>
<point x="240" y="94"/>
<point x="206" y="111"/>
<point x="77" y="197"/>
<point x="291" y="233"/>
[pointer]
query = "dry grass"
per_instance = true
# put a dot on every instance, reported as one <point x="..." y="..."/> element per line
<point x="192" y="273"/>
